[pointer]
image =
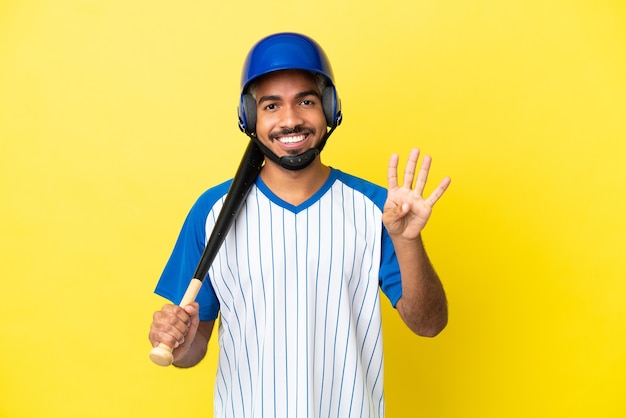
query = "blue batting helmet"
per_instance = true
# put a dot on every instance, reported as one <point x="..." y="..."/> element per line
<point x="286" y="51"/>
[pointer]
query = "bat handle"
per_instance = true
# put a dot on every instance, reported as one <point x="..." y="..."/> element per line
<point x="162" y="354"/>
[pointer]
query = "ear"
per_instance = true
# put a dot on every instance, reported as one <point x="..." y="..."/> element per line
<point x="331" y="106"/>
<point x="247" y="113"/>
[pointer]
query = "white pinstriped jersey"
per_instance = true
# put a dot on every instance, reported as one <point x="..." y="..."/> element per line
<point x="297" y="290"/>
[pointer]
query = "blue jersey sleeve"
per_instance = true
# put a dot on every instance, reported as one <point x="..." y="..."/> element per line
<point x="390" y="280"/>
<point x="186" y="254"/>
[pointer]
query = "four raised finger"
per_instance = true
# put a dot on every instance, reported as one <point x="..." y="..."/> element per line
<point x="409" y="170"/>
<point x="392" y="172"/>
<point x="438" y="192"/>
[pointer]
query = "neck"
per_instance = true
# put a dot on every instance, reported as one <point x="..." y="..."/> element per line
<point x="294" y="186"/>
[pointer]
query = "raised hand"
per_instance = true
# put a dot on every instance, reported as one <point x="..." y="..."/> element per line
<point x="406" y="211"/>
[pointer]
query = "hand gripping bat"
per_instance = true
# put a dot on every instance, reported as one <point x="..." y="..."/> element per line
<point x="244" y="178"/>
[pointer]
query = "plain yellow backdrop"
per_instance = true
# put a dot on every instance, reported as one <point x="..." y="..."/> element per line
<point x="115" y="115"/>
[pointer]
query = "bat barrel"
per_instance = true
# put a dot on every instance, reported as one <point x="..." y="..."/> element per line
<point x="244" y="178"/>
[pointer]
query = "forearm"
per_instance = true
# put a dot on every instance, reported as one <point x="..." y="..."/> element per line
<point x="423" y="306"/>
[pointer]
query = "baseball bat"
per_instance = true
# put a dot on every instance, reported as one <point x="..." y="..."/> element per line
<point x="244" y="178"/>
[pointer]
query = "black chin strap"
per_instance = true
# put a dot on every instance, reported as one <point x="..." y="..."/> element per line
<point x="293" y="162"/>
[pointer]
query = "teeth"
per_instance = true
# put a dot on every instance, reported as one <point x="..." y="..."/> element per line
<point x="291" y="139"/>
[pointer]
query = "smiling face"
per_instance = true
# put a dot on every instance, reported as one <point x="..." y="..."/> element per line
<point x="290" y="117"/>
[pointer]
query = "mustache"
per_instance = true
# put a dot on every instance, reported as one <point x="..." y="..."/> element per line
<point x="291" y="131"/>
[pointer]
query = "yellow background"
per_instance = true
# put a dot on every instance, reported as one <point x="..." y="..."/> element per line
<point x="115" y="115"/>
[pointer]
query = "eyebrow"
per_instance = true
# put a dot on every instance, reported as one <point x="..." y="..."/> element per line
<point x="298" y="96"/>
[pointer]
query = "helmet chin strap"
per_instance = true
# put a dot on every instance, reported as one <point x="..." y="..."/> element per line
<point x="293" y="162"/>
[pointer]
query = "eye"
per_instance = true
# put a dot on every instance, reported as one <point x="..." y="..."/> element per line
<point x="307" y="102"/>
<point x="270" y="106"/>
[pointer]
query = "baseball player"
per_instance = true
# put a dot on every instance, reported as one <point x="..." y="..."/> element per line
<point x="296" y="284"/>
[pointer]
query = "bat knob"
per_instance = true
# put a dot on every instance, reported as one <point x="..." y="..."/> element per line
<point x="162" y="355"/>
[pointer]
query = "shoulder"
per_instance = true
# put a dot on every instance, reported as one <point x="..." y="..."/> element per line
<point x="207" y="200"/>
<point x="374" y="192"/>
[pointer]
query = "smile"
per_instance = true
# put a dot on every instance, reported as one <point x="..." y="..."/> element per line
<point x="291" y="139"/>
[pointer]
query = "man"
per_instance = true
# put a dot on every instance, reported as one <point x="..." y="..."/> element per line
<point x="296" y="283"/>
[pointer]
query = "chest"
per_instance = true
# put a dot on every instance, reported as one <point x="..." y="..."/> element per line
<point x="332" y="247"/>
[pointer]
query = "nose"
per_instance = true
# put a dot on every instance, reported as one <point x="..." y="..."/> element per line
<point x="290" y="117"/>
